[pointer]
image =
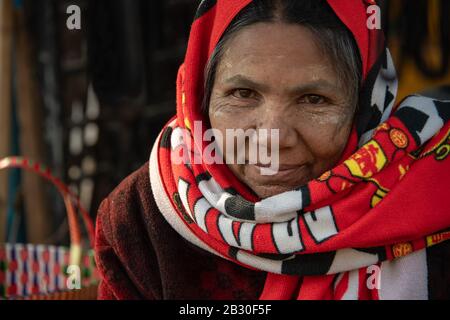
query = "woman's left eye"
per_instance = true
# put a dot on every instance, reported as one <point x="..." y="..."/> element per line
<point x="313" y="99"/>
<point x="243" y="93"/>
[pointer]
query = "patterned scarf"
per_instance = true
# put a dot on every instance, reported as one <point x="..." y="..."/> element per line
<point x="384" y="200"/>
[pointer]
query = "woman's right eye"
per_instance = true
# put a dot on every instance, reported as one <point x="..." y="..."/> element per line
<point x="243" y="93"/>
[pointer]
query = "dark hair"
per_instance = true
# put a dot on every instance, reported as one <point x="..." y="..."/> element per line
<point x="333" y="38"/>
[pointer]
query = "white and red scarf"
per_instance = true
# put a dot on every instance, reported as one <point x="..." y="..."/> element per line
<point x="377" y="209"/>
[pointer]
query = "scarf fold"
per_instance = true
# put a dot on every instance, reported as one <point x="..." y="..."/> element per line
<point x="384" y="200"/>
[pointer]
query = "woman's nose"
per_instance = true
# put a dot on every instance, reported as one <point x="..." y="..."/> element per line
<point x="280" y="121"/>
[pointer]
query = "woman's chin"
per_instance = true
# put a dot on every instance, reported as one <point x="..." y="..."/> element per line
<point x="269" y="185"/>
<point x="266" y="191"/>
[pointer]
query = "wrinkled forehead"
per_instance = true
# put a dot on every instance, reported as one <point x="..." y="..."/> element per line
<point x="279" y="54"/>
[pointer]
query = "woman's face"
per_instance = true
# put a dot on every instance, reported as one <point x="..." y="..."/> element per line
<point x="274" y="76"/>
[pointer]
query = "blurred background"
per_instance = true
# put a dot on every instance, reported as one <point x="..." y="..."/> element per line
<point x="89" y="102"/>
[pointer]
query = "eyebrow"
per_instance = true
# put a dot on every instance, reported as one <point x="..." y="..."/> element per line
<point x="318" y="84"/>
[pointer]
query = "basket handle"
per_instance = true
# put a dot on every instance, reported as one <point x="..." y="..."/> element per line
<point x="69" y="200"/>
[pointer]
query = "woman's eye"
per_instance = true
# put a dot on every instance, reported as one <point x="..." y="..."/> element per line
<point x="313" y="99"/>
<point x="243" y="93"/>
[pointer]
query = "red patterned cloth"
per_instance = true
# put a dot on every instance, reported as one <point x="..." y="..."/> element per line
<point x="140" y="256"/>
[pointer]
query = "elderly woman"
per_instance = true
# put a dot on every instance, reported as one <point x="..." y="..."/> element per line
<point x="355" y="207"/>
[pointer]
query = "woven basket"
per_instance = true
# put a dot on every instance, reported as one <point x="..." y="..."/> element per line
<point x="45" y="272"/>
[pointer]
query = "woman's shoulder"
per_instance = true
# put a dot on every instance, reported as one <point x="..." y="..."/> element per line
<point x="123" y="244"/>
<point x="133" y="187"/>
<point x="134" y="192"/>
<point x="129" y="204"/>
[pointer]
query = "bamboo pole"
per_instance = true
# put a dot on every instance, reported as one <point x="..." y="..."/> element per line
<point x="38" y="218"/>
<point x="6" y="29"/>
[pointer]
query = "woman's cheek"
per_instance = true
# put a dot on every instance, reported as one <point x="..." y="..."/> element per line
<point x="229" y="116"/>
<point x="326" y="136"/>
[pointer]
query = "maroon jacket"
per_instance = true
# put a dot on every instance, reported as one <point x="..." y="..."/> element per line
<point x="140" y="256"/>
